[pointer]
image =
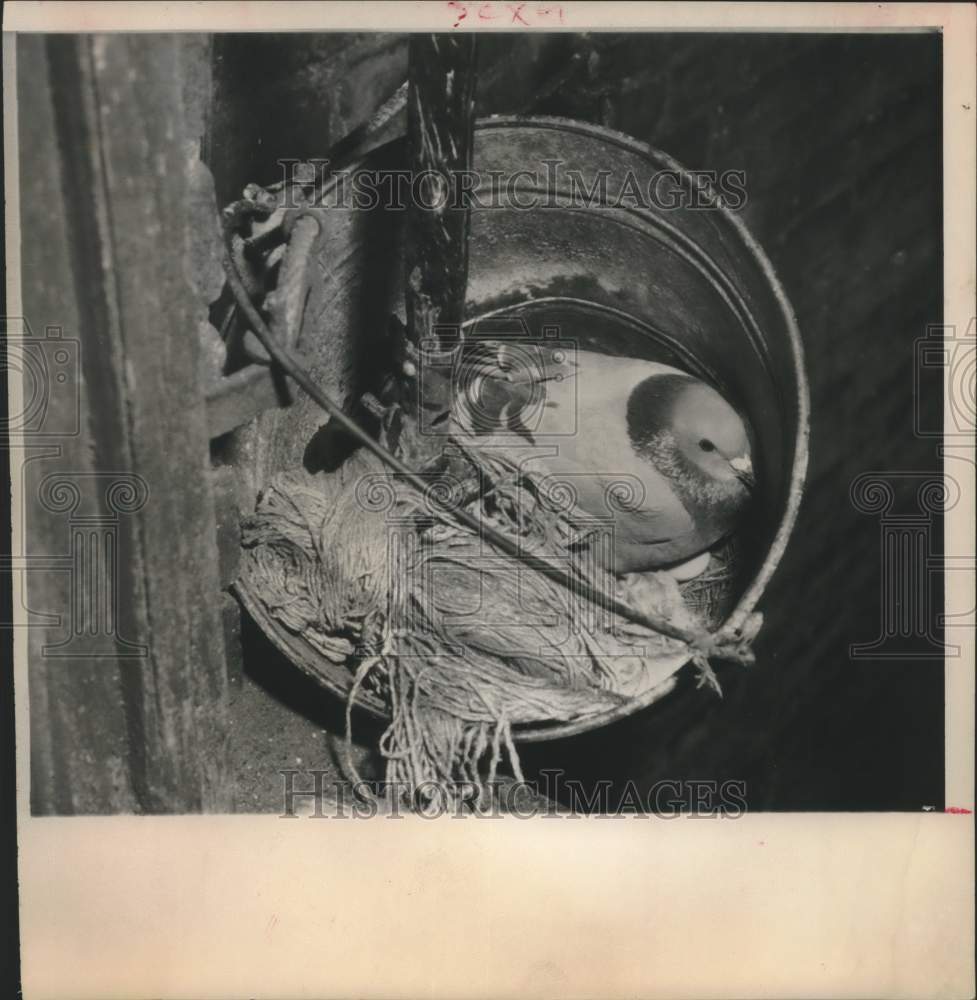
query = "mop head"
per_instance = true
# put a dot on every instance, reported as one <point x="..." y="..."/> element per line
<point x="459" y="640"/>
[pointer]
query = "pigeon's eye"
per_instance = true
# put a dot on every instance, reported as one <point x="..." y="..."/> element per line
<point x="706" y="445"/>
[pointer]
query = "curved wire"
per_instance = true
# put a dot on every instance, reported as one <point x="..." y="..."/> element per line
<point x="701" y="640"/>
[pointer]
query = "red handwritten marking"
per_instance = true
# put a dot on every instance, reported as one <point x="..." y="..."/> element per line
<point x="957" y="810"/>
<point x="463" y="13"/>
<point x="525" y="14"/>
<point x="544" y="11"/>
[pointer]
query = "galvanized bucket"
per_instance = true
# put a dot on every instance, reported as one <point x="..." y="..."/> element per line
<point x="666" y="272"/>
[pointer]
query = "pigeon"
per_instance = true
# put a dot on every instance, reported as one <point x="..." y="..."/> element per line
<point x="650" y="451"/>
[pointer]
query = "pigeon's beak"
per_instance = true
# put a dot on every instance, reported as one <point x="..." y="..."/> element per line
<point x="743" y="468"/>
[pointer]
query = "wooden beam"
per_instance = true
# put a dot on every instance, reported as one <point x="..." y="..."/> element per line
<point x="139" y="724"/>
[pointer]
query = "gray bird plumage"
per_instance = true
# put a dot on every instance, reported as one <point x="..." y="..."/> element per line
<point x="646" y="448"/>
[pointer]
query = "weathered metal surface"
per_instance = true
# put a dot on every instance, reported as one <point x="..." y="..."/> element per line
<point x="682" y="282"/>
<point x="107" y="160"/>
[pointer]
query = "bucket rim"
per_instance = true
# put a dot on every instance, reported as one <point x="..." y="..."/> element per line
<point x="748" y="601"/>
<point x="751" y="596"/>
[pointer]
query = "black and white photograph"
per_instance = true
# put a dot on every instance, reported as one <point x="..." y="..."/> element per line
<point x="509" y="417"/>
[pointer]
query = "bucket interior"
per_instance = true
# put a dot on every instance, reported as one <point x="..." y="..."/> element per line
<point x="671" y="277"/>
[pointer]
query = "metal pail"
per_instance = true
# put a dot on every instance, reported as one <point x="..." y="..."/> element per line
<point x="666" y="272"/>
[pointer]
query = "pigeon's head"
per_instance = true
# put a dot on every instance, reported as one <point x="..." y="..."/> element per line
<point x="678" y="419"/>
